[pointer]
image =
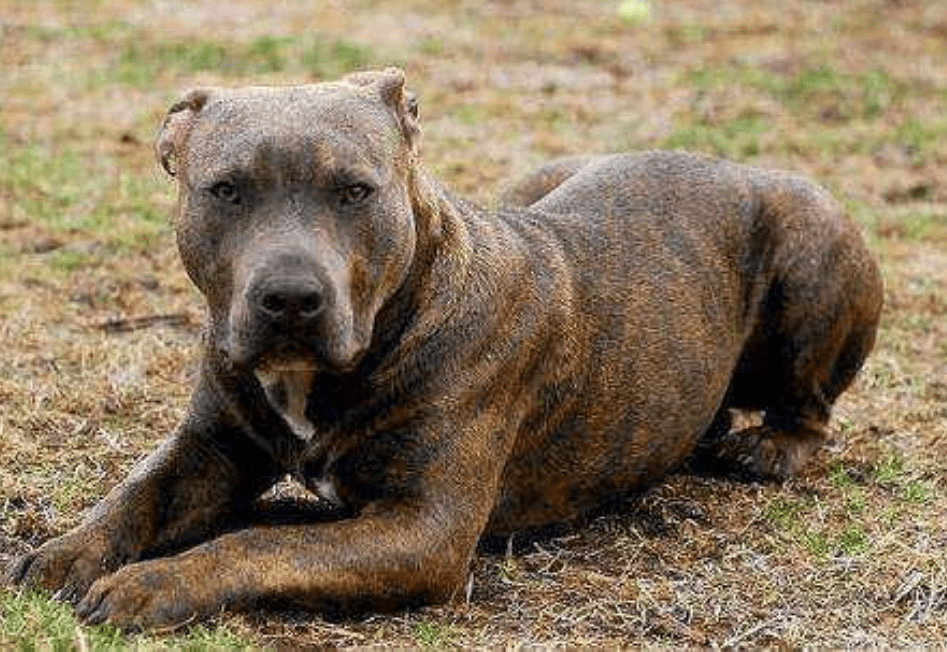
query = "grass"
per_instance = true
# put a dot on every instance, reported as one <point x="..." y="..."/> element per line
<point x="75" y="193"/>
<point x="849" y="554"/>
<point x="32" y="622"/>
<point x="43" y="184"/>
<point x="922" y="140"/>
<point x="432" y="635"/>
<point x="827" y="113"/>
<point x="143" y="62"/>
<point x="737" y="138"/>
<point x="918" y="223"/>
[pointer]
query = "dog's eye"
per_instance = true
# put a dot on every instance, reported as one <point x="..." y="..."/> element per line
<point x="354" y="193"/>
<point x="226" y="191"/>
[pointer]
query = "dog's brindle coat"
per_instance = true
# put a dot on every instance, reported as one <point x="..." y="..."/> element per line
<point x="438" y="372"/>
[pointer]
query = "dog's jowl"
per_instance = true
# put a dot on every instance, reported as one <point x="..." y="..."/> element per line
<point x="439" y="373"/>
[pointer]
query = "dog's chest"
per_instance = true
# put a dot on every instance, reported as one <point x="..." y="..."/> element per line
<point x="288" y="393"/>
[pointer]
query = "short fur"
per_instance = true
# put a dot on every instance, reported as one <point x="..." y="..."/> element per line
<point x="438" y="372"/>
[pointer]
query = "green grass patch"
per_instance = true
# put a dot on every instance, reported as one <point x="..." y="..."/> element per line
<point x="918" y="492"/>
<point x="829" y="113"/>
<point x="784" y="513"/>
<point x="30" y="622"/>
<point x="921" y="140"/>
<point x="327" y="58"/>
<point x="270" y="53"/>
<point x="855" y="502"/>
<point x="821" y="91"/>
<point x="67" y="261"/>
<point x="469" y="114"/>
<point x="431" y="46"/>
<point x="143" y="222"/>
<point x="892" y="473"/>
<point x="834" y="525"/>
<point x="843" y="96"/>
<point x="33" y="622"/>
<point x="738" y="138"/>
<point x="889" y="470"/>
<point x="914" y="223"/>
<point x="142" y="62"/>
<point x="102" y="32"/>
<point x="72" y="488"/>
<point x="839" y="476"/>
<point x="43" y="182"/>
<point x="853" y="541"/>
<point x="686" y="33"/>
<point x="80" y="194"/>
<point x="817" y="544"/>
<point x="432" y="635"/>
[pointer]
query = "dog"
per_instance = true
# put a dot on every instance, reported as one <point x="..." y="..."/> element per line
<point x="437" y="372"/>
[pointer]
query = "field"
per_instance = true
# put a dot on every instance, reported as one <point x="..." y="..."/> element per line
<point x="99" y="325"/>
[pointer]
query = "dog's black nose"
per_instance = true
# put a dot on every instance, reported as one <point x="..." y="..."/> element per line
<point x="291" y="299"/>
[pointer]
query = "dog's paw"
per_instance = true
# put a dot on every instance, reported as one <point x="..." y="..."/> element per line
<point x="148" y="595"/>
<point x="757" y="453"/>
<point x="64" y="567"/>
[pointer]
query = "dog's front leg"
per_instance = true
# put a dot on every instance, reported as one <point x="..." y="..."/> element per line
<point x="427" y="496"/>
<point x="175" y="497"/>
<point x="381" y="561"/>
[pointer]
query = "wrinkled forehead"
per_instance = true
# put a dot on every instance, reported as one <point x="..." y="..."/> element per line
<point x="327" y="125"/>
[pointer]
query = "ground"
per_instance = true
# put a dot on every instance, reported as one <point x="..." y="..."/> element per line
<point x="99" y="325"/>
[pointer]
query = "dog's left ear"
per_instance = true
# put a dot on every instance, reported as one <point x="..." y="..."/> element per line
<point x="402" y="102"/>
<point x="389" y="83"/>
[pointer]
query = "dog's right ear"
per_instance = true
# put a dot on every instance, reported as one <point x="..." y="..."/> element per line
<point x="175" y="126"/>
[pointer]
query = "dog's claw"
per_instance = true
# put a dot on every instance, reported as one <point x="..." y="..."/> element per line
<point x="16" y="570"/>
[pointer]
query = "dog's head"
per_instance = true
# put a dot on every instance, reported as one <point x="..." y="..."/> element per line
<point x="294" y="215"/>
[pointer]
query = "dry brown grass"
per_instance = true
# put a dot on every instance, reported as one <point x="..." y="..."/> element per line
<point x="98" y="323"/>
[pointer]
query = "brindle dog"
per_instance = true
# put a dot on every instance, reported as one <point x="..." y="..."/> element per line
<point x="438" y="372"/>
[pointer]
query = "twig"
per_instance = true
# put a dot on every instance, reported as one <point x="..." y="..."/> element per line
<point x="129" y="324"/>
<point x="733" y="640"/>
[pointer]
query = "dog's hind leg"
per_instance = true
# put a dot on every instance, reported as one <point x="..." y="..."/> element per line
<point x="792" y="369"/>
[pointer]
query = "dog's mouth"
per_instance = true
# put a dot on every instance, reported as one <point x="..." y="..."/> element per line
<point x="267" y="355"/>
<point x="312" y="359"/>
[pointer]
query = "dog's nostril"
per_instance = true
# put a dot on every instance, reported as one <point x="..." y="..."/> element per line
<point x="274" y="303"/>
<point x="310" y="304"/>
<point x="292" y="303"/>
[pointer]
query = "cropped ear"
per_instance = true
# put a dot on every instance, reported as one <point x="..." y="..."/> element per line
<point x="402" y="102"/>
<point x="175" y="126"/>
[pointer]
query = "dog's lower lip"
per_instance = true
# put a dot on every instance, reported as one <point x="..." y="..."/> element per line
<point x="273" y="367"/>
